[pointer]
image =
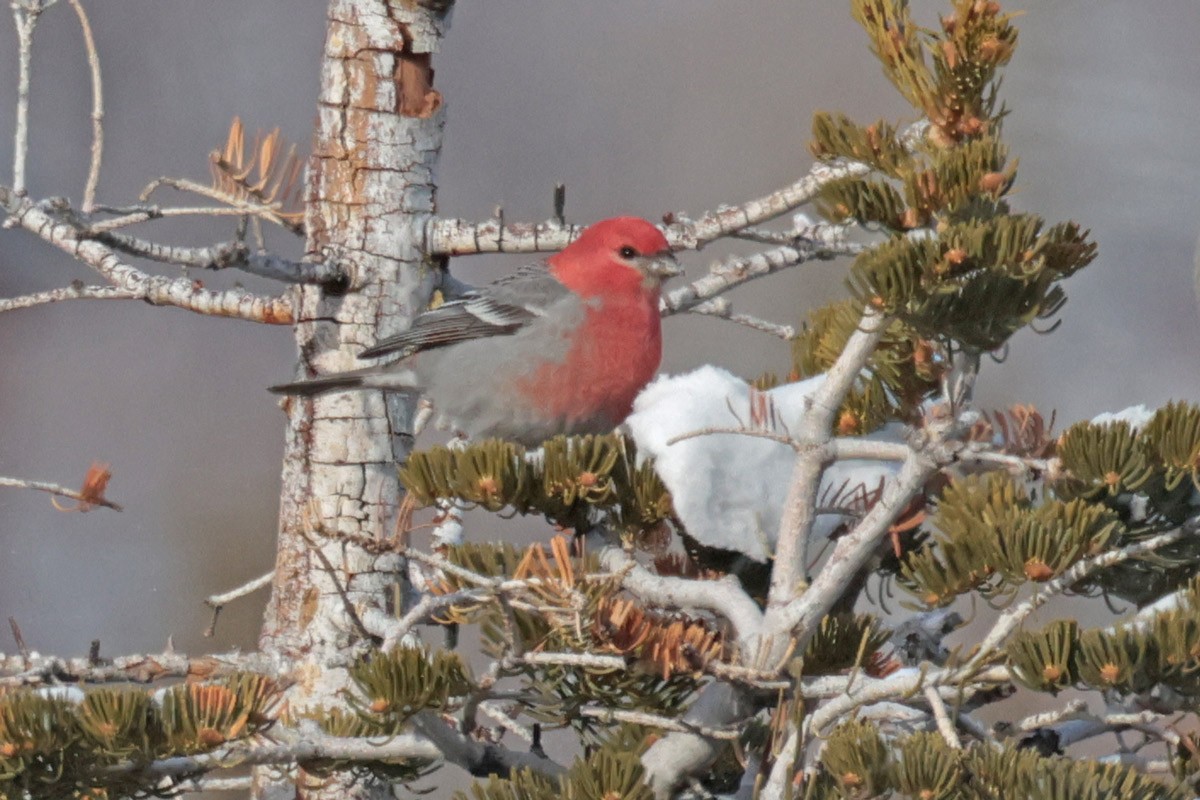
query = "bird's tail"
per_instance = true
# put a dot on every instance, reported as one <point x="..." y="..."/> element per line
<point x="396" y="380"/>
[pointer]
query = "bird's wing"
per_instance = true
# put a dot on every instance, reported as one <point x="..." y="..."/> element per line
<point x="498" y="309"/>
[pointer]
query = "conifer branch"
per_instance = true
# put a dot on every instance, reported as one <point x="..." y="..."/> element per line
<point x="724" y="597"/>
<point x="40" y="670"/>
<point x="1010" y="620"/>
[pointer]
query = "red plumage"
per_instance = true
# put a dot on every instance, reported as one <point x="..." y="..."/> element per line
<point x="562" y="346"/>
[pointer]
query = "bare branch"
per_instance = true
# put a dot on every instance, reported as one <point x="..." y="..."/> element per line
<point x="156" y="212"/>
<point x="215" y="256"/>
<point x="226" y="255"/>
<point x="25" y="16"/>
<point x="611" y="715"/>
<point x="218" y="601"/>
<point x="241" y="783"/>
<point x="945" y="725"/>
<point x="154" y="289"/>
<point x="737" y="270"/>
<point x="850" y="554"/>
<point x="278" y="268"/>
<point x="399" y="746"/>
<point x="93" y="178"/>
<point x="39" y="670"/>
<point x="721" y="307"/>
<point x="816" y="426"/>
<point x="458" y="237"/>
<point x="784" y="767"/>
<point x="83" y="498"/>
<point x="951" y="683"/>
<point x="74" y="292"/>
<point x="266" y="212"/>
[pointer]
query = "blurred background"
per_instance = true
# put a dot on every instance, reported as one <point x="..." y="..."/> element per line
<point x="639" y="108"/>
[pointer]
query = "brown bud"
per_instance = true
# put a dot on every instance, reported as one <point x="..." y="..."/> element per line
<point x="993" y="182"/>
<point x="1038" y="570"/>
<point x="950" y="53"/>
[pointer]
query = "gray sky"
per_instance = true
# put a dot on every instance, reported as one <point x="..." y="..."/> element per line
<point x="640" y="108"/>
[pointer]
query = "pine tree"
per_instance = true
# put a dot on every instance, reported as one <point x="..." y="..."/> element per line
<point x="672" y="653"/>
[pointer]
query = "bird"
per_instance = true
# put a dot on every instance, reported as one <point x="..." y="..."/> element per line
<point x="562" y="346"/>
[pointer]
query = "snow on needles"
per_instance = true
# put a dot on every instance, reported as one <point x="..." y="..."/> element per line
<point x="728" y="488"/>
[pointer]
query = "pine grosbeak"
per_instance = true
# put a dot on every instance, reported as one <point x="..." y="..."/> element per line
<point x="558" y="347"/>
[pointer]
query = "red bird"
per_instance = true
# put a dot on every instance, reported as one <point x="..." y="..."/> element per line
<point x="558" y="347"/>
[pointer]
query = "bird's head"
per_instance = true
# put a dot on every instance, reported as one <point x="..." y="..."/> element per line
<point x="621" y="242"/>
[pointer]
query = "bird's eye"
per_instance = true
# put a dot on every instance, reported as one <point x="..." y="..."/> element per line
<point x="627" y="252"/>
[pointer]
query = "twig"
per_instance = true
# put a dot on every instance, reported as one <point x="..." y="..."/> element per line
<point x="19" y="638"/>
<point x="25" y="17"/>
<point x="59" y="491"/>
<point x="267" y="265"/>
<point x="155" y="212"/>
<point x="801" y="615"/>
<point x="258" y="210"/>
<point x="404" y="745"/>
<point x="584" y="660"/>
<point x="737" y="270"/>
<point x="218" y="601"/>
<point x="721" y="307"/>
<point x="1048" y="718"/>
<point x="93" y="178"/>
<point x="945" y="725"/>
<point x="459" y="237"/>
<point x="904" y="683"/>
<point x="1011" y="619"/>
<point x="215" y="256"/>
<point x="76" y="292"/>
<point x="37" y="670"/>
<point x="605" y="714"/>
<point x="234" y="254"/>
<point x="784" y="767"/>
<point x="154" y="289"/>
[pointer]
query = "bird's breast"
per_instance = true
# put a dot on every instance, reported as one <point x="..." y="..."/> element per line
<point x="609" y="357"/>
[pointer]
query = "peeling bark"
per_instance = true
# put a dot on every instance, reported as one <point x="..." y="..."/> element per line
<point x="370" y="192"/>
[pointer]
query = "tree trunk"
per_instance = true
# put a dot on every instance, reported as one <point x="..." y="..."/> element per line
<point x="370" y="191"/>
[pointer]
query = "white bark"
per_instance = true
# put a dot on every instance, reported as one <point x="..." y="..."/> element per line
<point x="370" y="192"/>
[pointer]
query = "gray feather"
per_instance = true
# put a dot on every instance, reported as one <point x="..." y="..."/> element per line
<point x="498" y="309"/>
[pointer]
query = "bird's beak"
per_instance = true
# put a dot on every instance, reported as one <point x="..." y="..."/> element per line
<point x="663" y="266"/>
